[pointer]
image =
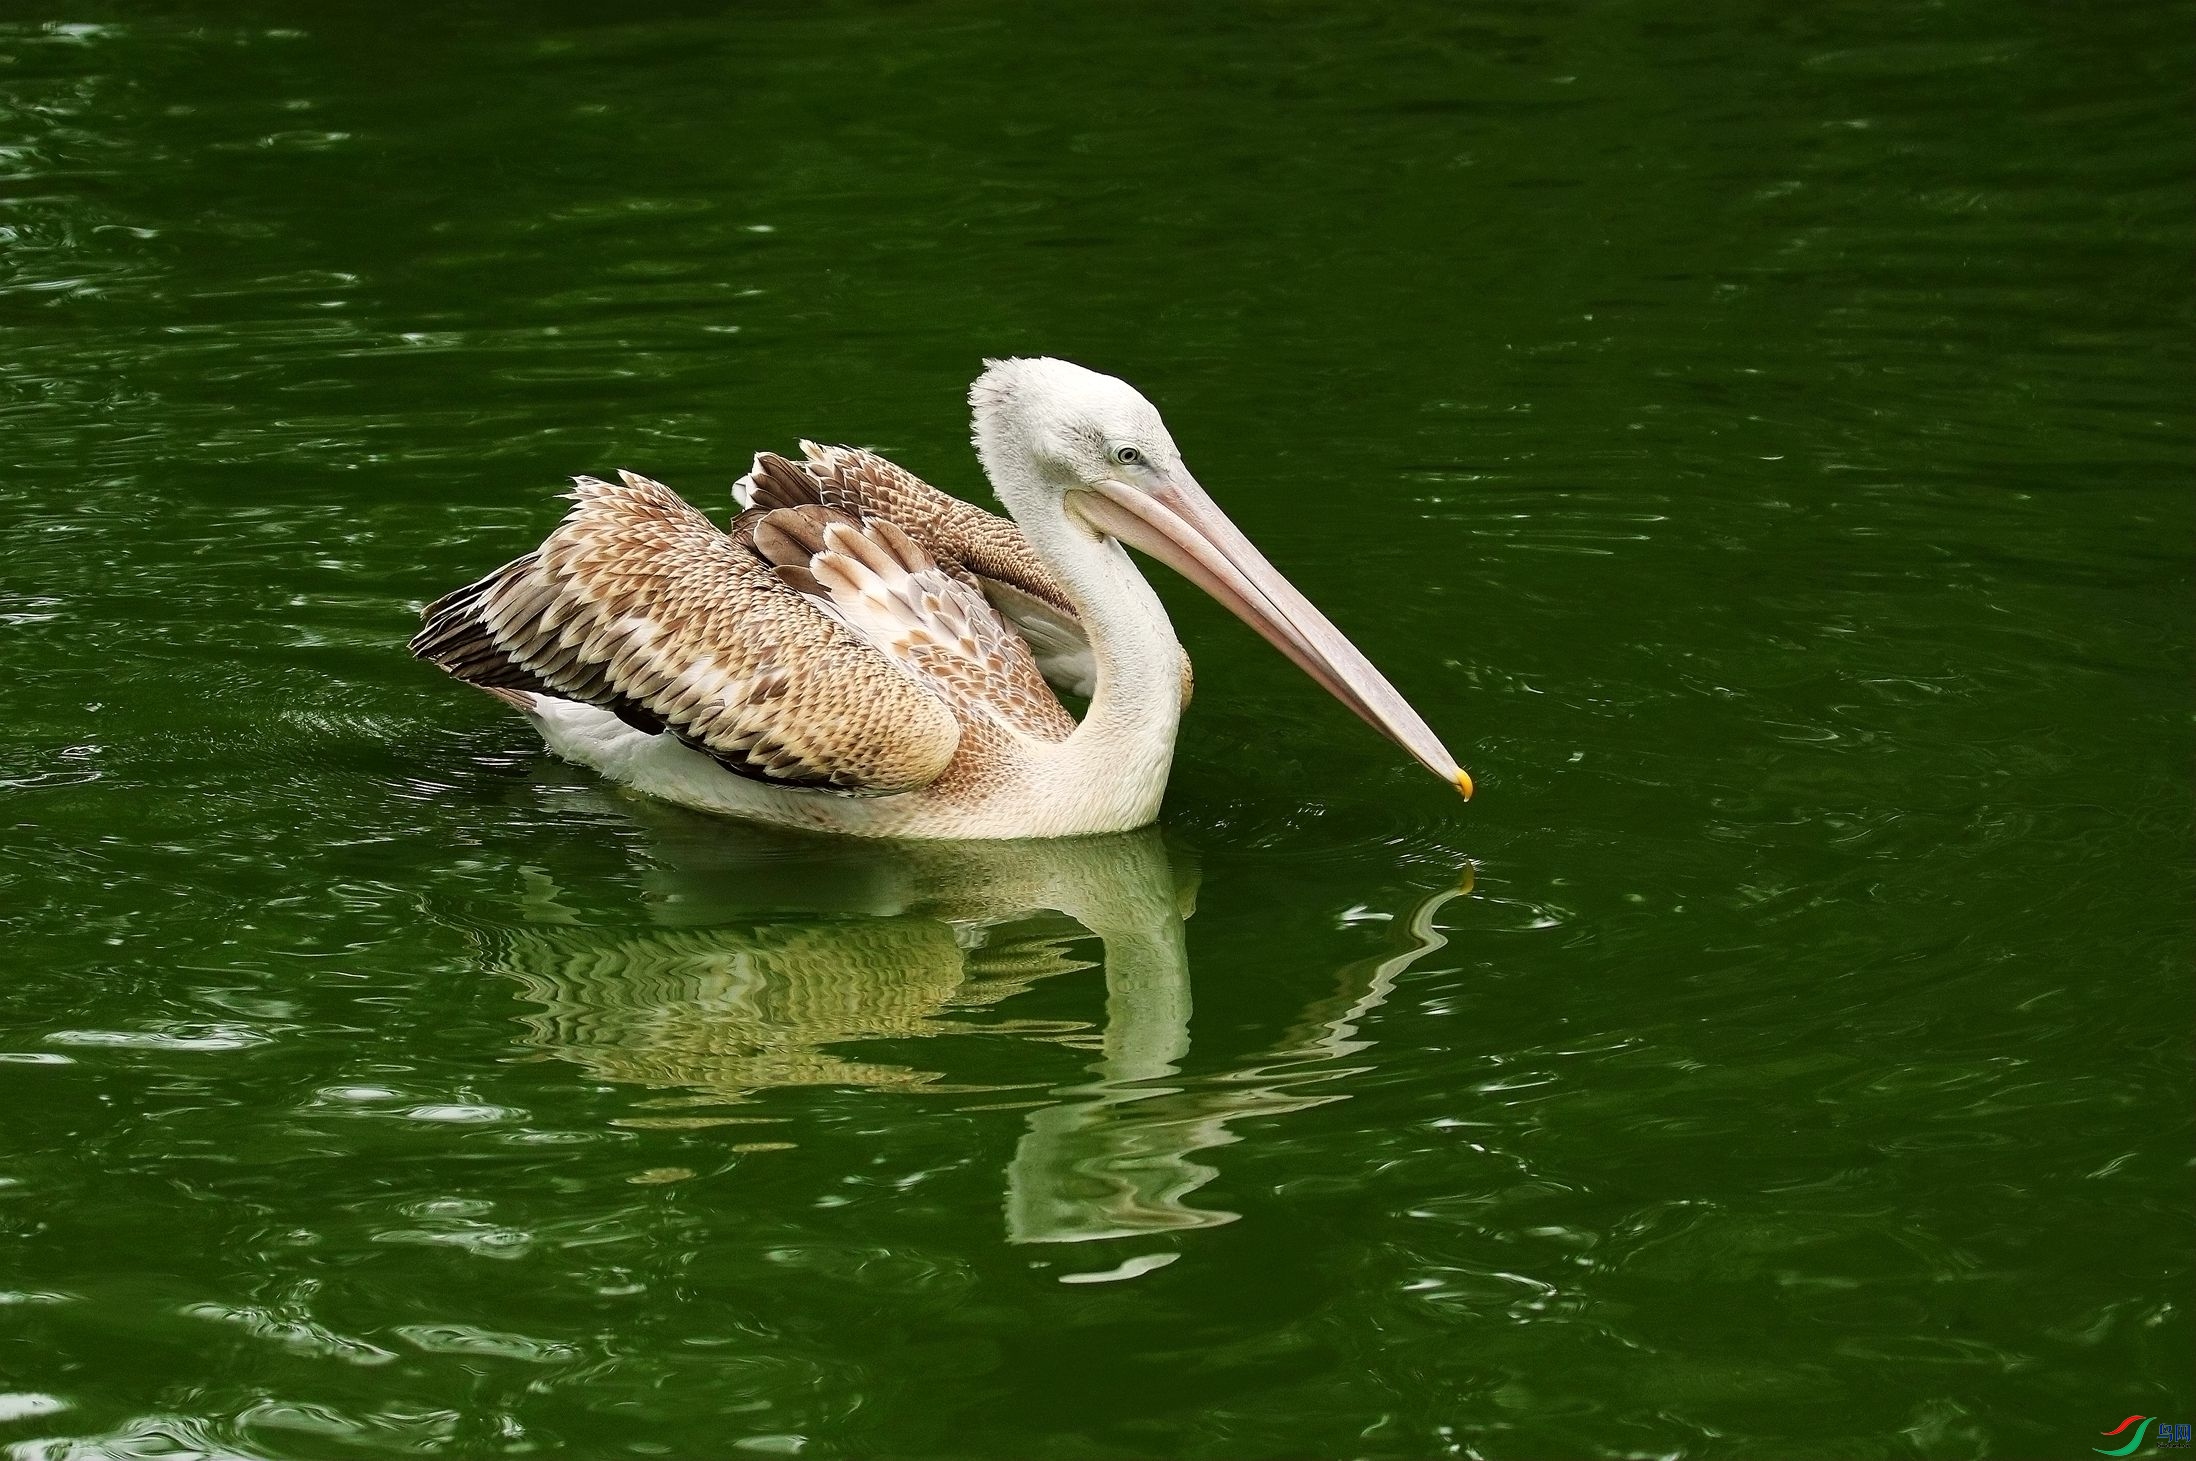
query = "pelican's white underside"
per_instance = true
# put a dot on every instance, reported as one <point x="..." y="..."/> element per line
<point x="1046" y="796"/>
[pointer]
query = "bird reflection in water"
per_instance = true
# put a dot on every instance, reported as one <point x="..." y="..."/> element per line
<point x="766" y="953"/>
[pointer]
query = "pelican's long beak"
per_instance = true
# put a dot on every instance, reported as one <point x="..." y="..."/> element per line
<point x="1183" y="528"/>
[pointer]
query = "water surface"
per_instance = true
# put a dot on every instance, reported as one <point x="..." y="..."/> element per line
<point x="1757" y="439"/>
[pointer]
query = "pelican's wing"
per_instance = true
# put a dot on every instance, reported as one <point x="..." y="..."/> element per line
<point x="980" y="548"/>
<point x="641" y="605"/>
<point x="881" y="583"/>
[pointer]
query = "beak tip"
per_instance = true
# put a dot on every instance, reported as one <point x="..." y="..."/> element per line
<point x="1464" y="782"/>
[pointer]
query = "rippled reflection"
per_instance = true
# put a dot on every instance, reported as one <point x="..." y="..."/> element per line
<point x="1113" y="1158"/>
<point x="765" y="957"/>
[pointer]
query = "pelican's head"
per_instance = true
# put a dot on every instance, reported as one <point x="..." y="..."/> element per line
<point x="1056" y="425"/>
<point x="1095" y="447"/>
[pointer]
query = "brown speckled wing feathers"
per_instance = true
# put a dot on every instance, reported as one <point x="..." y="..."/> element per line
<point x="879" y="581"/>
<point x="959" y="534"/>
<point x="979" y="548"/>
<point x="641" y="605"/>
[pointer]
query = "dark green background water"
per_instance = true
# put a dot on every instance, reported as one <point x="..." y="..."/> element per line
<point x="1757" y="436"/>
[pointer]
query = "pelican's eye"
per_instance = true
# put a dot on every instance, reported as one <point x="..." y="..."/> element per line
<point x="1128" y="456"/>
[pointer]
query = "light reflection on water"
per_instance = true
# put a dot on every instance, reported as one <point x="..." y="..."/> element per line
<point x="728" y="995"/>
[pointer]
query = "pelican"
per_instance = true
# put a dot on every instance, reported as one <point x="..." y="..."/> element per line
<point x="861" y="653"/>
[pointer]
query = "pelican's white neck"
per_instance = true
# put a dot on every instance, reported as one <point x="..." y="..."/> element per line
<point x="1120" y="753"/>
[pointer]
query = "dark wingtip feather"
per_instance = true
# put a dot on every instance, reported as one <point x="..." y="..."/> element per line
<point x="793" y="535"/>
<point x="776" y="482"/>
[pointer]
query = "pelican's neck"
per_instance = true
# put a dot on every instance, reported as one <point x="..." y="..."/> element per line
<point x="1126" y="740"/>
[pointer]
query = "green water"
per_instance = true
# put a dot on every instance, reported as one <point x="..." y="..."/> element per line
<point x="1757" y="438"/>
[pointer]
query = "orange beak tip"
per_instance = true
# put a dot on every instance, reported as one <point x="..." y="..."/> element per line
<point x="1464" y="783"/>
